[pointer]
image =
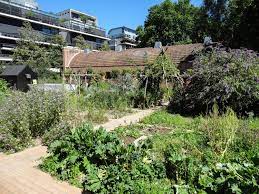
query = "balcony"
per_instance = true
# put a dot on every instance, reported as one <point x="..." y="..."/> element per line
<point x="124" y="37"/>
<point x="44" y="17"/>
<point x="5" y="57"/>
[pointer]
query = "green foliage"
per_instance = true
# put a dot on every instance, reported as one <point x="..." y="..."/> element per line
<point x="81" y="43"/>
<point x="234" y="22"/>
<point x="108" y="97"/>
<point x="168" y="22"/>
<point x="15" y="132"/>
<point x="228" y="79"/>
<point x="100" y="163"/>
<point x="101" y="101"/>
<point x="25" y="116"/>
<point x="48" y="76"/>
<point x="30" y="52"/>
<point x="2" y="64"/>
<point x="115" y="74"/>
<point x="163" y="118"/>
<point x="105" y="47"/>
<point x="128" y="131"/>
<point x="56" y="132"/>
<point x="151" y="91"/>
<point x="213" y="154"/>
<point x="55" y="51"/>
<point x="214" y="14"/>
<point x="230" y="178"/>
<point x="29" y="14"/>
<point x="3" y="89"/>
<point x="96" y="114"/>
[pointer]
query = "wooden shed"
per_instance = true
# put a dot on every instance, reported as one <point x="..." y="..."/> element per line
<point x="19" y="76"/>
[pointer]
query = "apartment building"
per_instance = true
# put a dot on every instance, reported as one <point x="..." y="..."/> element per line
<point x="122" y="38"/>
<point x="69" y="23"/>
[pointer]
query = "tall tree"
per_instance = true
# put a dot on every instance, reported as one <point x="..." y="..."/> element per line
<point x="80" y="42"/>
<point x="29" y="51"/>
<point x="243" y="24"/>
<point x="212" y="19"/>
<point x="55" y="51"/>
<point x="105" y="47"/>
<point x="169" y="23"/>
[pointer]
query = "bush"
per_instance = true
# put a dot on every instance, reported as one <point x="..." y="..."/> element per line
<point x="3" y="89"/>
<point x="56" y="132"/>
<point x="44" y="109"/>
<point x="24" y="116"/>
<point x="228" y="79"/>
<point x="15" y="131"/>
<point x="107" y="97"/>
<point x="99" y="162"/>
<point x="151" y="90"/>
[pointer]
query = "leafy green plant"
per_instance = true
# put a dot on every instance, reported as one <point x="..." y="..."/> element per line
<point x="56" y="132"/>
<point x="99" y="162"/>
<point x="237" y="178"/>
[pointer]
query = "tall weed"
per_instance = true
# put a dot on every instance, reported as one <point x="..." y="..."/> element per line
<point x="24" y="116"/>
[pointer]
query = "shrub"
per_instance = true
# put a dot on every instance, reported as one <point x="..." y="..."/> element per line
<point x="115" y="74"/>
<point x="107" y="97"/>
<point x="3" y="89"/>
<point x="96" y="115"/>
<point x="56" y="132"/>
<point x="25" y="116"/>
<point x="44" y="109"/>
<point x="151" y="79"/>
<point x="228" y="79"/>
<point x="15" y="131"/>
<point x="99" y="162"/>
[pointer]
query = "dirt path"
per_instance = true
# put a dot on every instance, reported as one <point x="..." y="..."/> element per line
<point x="19" y="173"/>
<point x="127" y="120"/>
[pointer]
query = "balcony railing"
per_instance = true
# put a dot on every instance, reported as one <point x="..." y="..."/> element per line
<point x="124" y="37"/>
<point x="44" y="17"/>
<point x="47" y="38"/>
<point x="42" y="37"/>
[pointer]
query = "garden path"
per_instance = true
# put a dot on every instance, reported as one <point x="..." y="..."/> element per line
<point x="127" y="120"/>
<point x="19" y="173"/>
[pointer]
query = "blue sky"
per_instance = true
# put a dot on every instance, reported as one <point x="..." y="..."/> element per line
<point x="110" y="13"/>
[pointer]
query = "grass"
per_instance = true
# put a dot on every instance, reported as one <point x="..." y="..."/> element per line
<point x="219" y="135"/>
<point x="163" y="118"/>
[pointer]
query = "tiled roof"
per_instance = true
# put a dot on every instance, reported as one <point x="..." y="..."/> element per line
<point x="179" y="53"/>
<point x="138" y="57"/>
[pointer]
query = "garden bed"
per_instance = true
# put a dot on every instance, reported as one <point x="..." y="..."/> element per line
<point x="181" y="155"/>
